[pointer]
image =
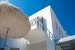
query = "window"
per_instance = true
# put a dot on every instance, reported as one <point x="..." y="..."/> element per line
<point x="59" y="31"/>
<point x="62" y="34"/>
<point x="56" y="25"/>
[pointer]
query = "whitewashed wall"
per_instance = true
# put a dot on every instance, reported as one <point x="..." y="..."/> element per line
<point x="59" y="31"/>
<point x="47" y="23"/>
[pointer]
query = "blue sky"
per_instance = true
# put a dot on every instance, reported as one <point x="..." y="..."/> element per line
<point x="64" y="10"/>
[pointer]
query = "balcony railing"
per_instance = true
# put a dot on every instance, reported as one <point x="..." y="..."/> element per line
<point x="39" y="24"/>
<point x="37" y="21"/>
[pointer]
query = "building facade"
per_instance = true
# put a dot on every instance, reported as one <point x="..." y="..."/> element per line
<point x="45" y="31"/>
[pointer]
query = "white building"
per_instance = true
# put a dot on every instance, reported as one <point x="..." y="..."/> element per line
<point x="45" y="31"/>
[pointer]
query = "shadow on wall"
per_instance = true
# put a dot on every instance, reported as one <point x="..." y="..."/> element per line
<point x="48" y="34"/>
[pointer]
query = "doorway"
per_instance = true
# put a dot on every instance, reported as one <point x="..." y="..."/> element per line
<point x="14" y="49"/>
<point x="1" y="49"/>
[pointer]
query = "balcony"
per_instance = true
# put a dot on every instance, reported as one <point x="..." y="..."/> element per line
<point x="36" y="34"/>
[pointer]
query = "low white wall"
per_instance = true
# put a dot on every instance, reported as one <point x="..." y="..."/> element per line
<point x="14" y="43"/>
<point x="38" y="46"/>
